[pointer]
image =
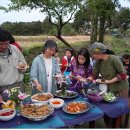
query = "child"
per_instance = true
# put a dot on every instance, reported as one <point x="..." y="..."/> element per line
<point x="57" y="57"/>
<point x="67" y="60"/>
<point x="126" y="64"/>
<point x="80" y="69"/>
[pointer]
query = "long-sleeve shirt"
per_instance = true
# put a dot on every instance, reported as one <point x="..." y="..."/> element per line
<point x="79" y="71"/>
<point x="38" y="72"/>
<point x="108" y="70"/>
<point x="9" y="73"/>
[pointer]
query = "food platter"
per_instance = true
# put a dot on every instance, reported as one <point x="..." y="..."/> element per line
<point x="77" y="107"/>
<point x="110" y="97"/>
<point x="42" y="97"/>
<point x="68" y="95"/>
<point x="36" y="111"/>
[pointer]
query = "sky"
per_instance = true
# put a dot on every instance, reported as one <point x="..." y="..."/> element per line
<point x="34" y="15"/>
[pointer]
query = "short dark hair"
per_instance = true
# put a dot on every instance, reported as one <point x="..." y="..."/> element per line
<point x="4" y="35"/>
<point x="109" y="52"/>
<point x="50" y="44"/>
<point x="70" y="50"/>
<point x="11" y="38"/>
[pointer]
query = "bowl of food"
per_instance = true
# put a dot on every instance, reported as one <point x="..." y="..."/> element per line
<point x="94" y="97"/>
<point x="9" y="104"/>
<point x="56" y="102"/>
<point x="110" y="97"/>
<point x="68" y="95"/>
<point x="42" y="97"/>
<point x="36" y="111"/>
<point x="7" y="114"/>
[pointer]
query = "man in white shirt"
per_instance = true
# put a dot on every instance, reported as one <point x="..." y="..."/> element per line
<point x="10" y="58"/>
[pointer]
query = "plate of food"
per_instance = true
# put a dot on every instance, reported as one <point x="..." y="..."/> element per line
<point x="68" y="94"/>
<point x="36" y="111"/>
<point x="42" y="97"/>
<point x="76" y="107"/>
<point x="22" y="66"/>
<point x="110" y="97"/>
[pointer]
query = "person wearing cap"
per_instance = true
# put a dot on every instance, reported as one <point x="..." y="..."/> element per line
<point x="44" y="66"/>
<point x="10" y="58"/>
<point x="111" y="69"/>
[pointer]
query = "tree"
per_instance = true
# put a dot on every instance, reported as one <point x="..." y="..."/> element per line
<point x="101" y="12"/>
<point x="59" y="12"/>
<point x="82" y="20"/>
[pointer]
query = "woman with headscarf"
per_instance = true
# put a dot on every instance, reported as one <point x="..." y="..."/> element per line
<point x="44" y="66"/>
<point x="111" y="69"/>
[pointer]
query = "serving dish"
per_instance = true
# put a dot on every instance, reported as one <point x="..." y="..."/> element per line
<point x="42" y="97"/>
<point x="7" y="114"/>
<point x="77" y="107"/>
<point x="36" y="111"/>
<point x="67" y="95"/>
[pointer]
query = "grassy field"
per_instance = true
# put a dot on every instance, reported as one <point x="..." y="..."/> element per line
<point x="32" y="46"/>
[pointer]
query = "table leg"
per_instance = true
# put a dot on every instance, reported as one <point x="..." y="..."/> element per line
<point x="117" y="122"/>
<point x="126" y="122"/>
<point x="92" y="124"/>
<point x="108" y="121"/>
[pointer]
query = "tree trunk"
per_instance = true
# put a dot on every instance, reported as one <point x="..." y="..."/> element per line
<point x="64" y="41"/>
<point x="102" y="28"/>
<point x="94" y="28"/>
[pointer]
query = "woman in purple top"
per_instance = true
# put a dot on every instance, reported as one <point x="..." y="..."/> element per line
<point x="80" y="70"/>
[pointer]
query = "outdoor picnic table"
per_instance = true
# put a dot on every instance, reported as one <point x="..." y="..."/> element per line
<point x="58" y="119"/>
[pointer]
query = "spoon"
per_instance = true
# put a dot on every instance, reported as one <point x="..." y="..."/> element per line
<point x="3" y="102"/>
<point x="101" y="93"/>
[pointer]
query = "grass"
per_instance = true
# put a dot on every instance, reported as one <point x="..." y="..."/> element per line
<point x="32" y="46"/>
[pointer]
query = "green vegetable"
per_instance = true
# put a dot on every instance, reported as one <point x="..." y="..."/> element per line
<point x="109" y="97"/>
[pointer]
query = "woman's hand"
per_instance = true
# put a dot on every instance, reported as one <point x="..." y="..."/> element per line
<point x="1" y="100"/>
<point x="39" y="88"/>
<point x="90" y="79"/>
<point x="79" y="77"/>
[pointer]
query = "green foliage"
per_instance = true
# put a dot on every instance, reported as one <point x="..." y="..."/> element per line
<point x="26" y="52"/>
<point x="14" y="92"/>
<point x="26" y="78"/>
<point x="82" y="20"/>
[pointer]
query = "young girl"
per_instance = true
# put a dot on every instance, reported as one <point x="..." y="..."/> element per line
<point x="80" y="69"/>
<point x="67" y="60"/>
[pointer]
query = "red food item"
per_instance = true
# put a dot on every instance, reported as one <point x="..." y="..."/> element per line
<point x="7" y="113"/>
<point x="56" y="102"/>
